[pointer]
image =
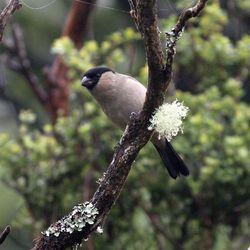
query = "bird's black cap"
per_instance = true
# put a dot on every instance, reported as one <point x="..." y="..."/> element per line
<point x="92" y="76"/>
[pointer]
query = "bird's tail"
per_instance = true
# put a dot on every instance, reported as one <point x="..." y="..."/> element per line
<point x="172" y="161"/>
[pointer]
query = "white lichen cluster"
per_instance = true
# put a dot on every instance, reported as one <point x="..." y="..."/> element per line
<point x="81" y="215"/>
<point x="172" y="37"/>
<point x="167" y="120"/>
<point x="99" y="230"/>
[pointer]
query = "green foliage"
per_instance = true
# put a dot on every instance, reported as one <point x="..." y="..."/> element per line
<point x="191" y="211"/>
<point x="92" y="53"/>
<point x="221" y="140"/>
<point x="243" y="5"/>
<point x="215" y="56"/>
<point x="40" y="163"/>
<point x="207" y="210"/>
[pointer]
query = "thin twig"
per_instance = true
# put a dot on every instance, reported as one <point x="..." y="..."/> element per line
<point x="189" y="13"/>
<point x="174" y="35"/>
<point x="17" y="60"/>
<point x="156" y="222"/>
<point x="24" y="64"/>
<point x="7" y="13"/>
<point x="4" y="234"/>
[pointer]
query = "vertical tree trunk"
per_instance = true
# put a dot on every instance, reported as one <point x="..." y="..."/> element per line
<point x="57" y="81"/>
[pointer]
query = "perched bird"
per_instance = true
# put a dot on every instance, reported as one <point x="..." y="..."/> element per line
<point x="119" y="95"/>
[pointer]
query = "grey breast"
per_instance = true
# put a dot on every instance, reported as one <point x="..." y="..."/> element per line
<point x="119" y="97"/>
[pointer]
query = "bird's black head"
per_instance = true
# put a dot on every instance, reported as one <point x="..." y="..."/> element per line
<point x="92" y="76"/>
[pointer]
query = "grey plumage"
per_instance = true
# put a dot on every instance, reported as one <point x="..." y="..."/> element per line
<point x="119" y="95"/>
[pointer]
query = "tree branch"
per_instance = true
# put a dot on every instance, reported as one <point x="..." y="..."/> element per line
<point x="56" y="96"/>
<point x="4" y="234"/>
<point x="22" y="65"/>
<point x="7" y="13"/>
<point x="57" y="81"/>
<point x="155" y="220"/>
<point x="136" y="134"/>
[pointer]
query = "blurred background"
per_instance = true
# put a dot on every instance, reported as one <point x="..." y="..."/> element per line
<point x="55" y="142"/>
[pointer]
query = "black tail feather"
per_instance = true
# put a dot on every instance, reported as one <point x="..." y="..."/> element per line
<point x="172" y="161"/>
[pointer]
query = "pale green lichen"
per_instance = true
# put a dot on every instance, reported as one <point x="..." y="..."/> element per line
<point x="81" y="215"/>
<point x="27" y="116"/>
<point x="167" y="120"/>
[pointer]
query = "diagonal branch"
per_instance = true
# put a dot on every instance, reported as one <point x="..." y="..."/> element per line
<point x="174" y="35"/>
<point x="4" y="234"/>
<point x="189" y="13"/>
<point x="22" y="64"/>
<point x="60" y="235"/>
<point x="7" y="13"/>
<point x="156" y="222"/>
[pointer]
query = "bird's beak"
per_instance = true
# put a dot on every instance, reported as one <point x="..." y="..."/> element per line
<point x="87" y="82"/>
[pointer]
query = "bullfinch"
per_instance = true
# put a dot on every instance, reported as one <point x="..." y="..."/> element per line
<point x="119" y="95"/>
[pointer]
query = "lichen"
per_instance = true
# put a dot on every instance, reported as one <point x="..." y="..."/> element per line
<point x="99" y="230"/>
<point x="101" y="178"/>
<point x="171" y="39"/>
<point x="81" y="215"/>
<point x="167" y="120"/>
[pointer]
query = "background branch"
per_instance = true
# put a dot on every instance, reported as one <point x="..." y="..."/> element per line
<point x="57" y="81"/>
<point x="136" y="134"/>
<point x="4" y="234"/>
<point x="7" y="13"/>
<point x="54" y="93"/>
<point x="156" y="222"/>
<point x="18" y="61"/>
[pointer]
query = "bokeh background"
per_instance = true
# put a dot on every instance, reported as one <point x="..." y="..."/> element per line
<point x="52" y="152"/>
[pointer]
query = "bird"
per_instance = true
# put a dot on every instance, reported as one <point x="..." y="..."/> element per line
<point x="119" y="95"/>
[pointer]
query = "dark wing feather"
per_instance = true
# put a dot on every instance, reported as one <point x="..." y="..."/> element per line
<point x="172" y="161"/>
